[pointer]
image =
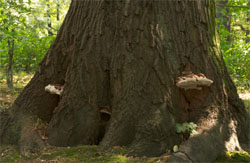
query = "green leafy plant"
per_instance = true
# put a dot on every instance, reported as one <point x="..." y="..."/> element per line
<point x="236" y="156"/>
<point x="175" y="148"/>
<point x="186" y="127"/>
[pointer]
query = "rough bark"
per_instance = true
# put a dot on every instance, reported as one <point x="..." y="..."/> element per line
<point x="126" y="56"/>
<point x="9" y="131"/>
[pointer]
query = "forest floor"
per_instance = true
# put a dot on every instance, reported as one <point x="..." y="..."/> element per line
<point x="85" y="153"/>
<point x="8" y="96"/>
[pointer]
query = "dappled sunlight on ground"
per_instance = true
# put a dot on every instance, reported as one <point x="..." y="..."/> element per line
<point x="75" y="154"/>
<point x="245" y="96"/>
<point x="8" y="96"/>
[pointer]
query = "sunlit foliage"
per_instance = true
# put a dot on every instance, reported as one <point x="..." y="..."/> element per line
<point x="234" y="31"/>
<point x="26" y="22"/>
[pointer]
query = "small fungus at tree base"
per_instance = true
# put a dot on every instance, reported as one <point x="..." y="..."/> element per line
<point x="105" y="109"/>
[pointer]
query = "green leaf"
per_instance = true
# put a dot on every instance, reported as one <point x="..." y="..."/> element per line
<point x="178" y="128"/>
<point x="192" y="125"/>
<point x="175" y="148"/>
<point x="194" y="132"/>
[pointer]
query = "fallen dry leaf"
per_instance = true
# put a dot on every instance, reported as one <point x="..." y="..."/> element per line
<point x="116" y="147"/>
<point x="166" y="156"/>
<point x="3" y="154"/>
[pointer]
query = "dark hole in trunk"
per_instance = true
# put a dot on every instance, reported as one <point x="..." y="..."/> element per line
<point x="52" y="103"/>
<point x="105" y="117"/>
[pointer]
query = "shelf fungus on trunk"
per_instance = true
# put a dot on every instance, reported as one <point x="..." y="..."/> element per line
<point x="105" y="112"/>
<point x="192" y="81"/>
<point x="54" y="89"/>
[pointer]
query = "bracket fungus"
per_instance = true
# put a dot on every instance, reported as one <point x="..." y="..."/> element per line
<point x="105" y="109"/>
<point x="54" y="89"/>
<point x="105" y="112"/>
<point x="193" y="81"/>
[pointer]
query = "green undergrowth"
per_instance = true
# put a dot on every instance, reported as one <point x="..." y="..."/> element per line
<point x="247" y="104"/>
<point x="86" y="154"/>
<point x="90" y="154"/>
<point x="237" y="156"/>
<point x="7" y="96"/>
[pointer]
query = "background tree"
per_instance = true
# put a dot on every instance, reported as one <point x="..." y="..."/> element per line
<point x="13" y="18"/>
<point x="224" y="16"/>
<point x="126" y="56"/>
<point x="26" y="24"/>
<point x="232" y="18"/>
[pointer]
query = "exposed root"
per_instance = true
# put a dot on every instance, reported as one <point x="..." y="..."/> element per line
<point x="207" y="146"/>
<point x="179" y="157"/>
<point x="30" y="140"/>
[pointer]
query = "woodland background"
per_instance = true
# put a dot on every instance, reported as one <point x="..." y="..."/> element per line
<point x="28" y="28"/>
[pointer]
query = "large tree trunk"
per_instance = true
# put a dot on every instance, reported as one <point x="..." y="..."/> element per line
<point x="126" y="56"/>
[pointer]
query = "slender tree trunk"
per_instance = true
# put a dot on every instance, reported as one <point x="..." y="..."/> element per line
<point x="248" y="29"/>
<point x="225" y="18"/>
<point x="49" y="19"/>
<point x="10" y="66"/>
<point x="125" y="56"/>
<point x="58" y="11"/>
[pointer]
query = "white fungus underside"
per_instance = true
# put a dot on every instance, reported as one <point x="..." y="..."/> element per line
<point x="194" y="83"/>
<point x="51" y="89"/>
